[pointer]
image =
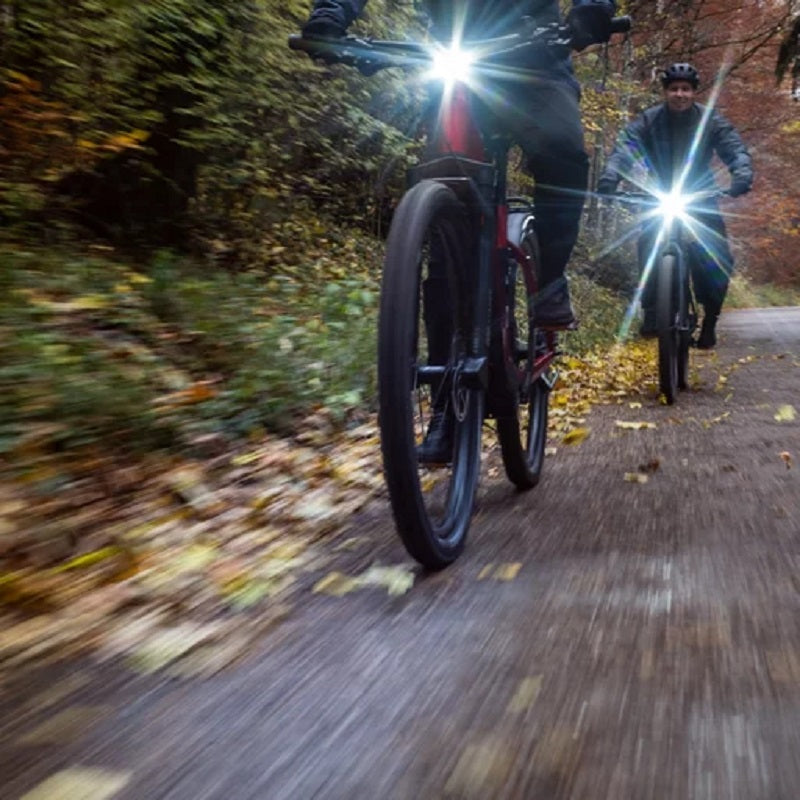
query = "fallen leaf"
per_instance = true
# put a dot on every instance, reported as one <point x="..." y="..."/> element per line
<point x="787" y="459"/>
<point x="575" y="436"/>
<point x="635" y="426"/>
<point x="525" y="695"/>
<point x="785" y="413"/>
<point x="80" y="783"/>
<point x="169" y="644"/>
<point x="336" y="584"/>
<point x="635" y="477"/>
<point x="507" y="572"/>
<point x="397" y="580"/>
<point x="550" y="451"/>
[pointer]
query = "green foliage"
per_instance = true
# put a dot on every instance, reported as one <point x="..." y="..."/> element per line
<point x="93" y="350"/>
<point x="170" y="111"/>
<point x="600" y="312"/>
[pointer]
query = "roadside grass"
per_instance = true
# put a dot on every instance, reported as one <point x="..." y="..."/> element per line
<point x="743" y="293"/>
<point x="141" y="357"/>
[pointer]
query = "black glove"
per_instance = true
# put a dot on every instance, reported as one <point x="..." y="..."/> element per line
<point x="606" y="186"/>
<point x="590" y="23"/>
<point x="739" y="187"/>
<point x="321" y="26"/>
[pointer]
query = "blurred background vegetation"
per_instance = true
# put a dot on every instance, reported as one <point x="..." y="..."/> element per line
<point x="191" y="216"/>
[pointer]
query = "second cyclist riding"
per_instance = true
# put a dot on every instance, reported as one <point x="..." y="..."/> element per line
<point x="458" y="339"/>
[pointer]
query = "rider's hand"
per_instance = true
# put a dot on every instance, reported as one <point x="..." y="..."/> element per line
<point x="323" y="27"/>
<point x="606" y="186"/>
<point x="590" y="22"/>
<point x="739" y="187"/>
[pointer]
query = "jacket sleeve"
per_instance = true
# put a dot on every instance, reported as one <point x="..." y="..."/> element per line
<point x="732" y="150"/>
<point x="342" y="11"/>
<point x="628" y="150"/>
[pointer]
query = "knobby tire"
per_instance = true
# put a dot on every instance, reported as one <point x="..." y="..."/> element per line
<point x="523" y="433"/>
<point x="668" y="334"/>
<point x="428" y="219"/>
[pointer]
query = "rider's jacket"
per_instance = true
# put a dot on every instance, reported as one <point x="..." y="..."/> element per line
<point x="477" y="19"/>
<point x="664" y="143"/>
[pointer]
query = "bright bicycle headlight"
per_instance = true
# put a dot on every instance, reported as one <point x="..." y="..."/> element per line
<point x="673" y="206"/>
<point x="451" y="65"/>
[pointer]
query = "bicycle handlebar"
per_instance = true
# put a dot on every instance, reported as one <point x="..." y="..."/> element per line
<point x="371" y="55"/>
<point x="637" y="197"/>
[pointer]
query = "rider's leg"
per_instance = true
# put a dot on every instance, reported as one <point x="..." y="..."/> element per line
<point x="711" y="265"/>
<point x="554" y="150"/>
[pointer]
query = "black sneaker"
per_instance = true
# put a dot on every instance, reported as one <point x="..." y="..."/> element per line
<point x="437" y="447"/>
<point x="553" y="308"/>
<point x="649" y="327"/>
<point x="708" y="336"/>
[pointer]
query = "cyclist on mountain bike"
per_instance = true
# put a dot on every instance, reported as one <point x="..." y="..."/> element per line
<point x="676" y="140"/>
<point x="552" y="142"/>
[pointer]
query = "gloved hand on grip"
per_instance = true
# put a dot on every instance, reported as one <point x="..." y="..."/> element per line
<point x="739" y="187"/>
<point x="590" y="21"/>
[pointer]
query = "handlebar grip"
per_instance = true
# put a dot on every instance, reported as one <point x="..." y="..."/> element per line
<point x="621" y="24"/>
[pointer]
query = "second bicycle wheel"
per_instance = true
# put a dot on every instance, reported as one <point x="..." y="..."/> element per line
<point x="522" y="431"/>
<point x="422" y="335"/>
<point x="668" y="334"/>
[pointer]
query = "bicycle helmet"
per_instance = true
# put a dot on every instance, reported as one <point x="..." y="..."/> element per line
<point x="680" y="72"/>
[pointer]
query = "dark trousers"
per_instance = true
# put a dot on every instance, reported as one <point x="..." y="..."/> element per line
<point x="710" y="261"/>
<point x="542" y="116"/>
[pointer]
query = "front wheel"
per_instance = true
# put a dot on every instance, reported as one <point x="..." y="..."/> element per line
<point x="422" y="335"/>
<point x="668" y="333"/>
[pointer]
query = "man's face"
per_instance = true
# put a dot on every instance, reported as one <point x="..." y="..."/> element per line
<point x="679" y="96"/>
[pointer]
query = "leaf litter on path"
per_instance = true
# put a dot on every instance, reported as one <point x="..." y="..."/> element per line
<point x="225" y="539"/>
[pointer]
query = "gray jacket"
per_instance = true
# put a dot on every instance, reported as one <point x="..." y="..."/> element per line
<point x="661" y="141"/>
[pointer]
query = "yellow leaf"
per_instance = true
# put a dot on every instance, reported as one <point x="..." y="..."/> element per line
<point x="336" y="584"/>
<point x="785" y="413"/>
<point x="635" y="426"/>
<point x="635" y="477"/>
<point x="507" y="572"/>
<point x="526" y="694"/>
<point x="397" y="580"/>
<point x="88" y="559"/>
<point x="575" y="436"/>
<point x="80" y="783"/>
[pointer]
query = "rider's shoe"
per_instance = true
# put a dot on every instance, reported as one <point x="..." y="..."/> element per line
<point x="553" y="308"/>
<point x="649" y="327"/>
<point x="437" y="447"/>
<point x="708" y="336"/>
